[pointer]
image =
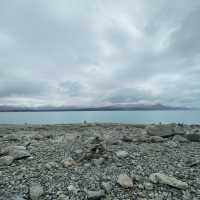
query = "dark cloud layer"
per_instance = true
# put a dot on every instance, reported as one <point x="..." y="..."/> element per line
<point x="94" y="52"/>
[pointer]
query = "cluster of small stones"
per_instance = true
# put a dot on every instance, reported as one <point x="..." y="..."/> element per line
<point x="100" y="161"/>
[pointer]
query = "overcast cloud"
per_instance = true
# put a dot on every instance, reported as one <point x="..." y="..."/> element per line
<point x="83" y="52"/>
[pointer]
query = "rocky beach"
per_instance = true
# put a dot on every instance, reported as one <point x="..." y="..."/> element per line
<point x="100" y="161"/>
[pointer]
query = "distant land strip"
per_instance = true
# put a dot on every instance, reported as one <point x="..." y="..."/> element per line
<point x="138" y="107"/>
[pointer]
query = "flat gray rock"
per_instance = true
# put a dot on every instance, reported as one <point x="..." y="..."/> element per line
<point x="167" y="180"/>
<point x="179" y="138"/>
<point x="95" y="194"/>
<point x="17" y="197"/>
<point x="156" y="139"/>
<point x="6" y="160"/>
<point x="164" y="131"/>
<point x="17" y="152"/>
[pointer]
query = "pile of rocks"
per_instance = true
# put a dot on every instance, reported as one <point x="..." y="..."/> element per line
<point x="100" y="161"/>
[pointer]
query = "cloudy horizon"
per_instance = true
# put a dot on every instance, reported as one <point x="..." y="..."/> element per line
<point x="74" y="52"/>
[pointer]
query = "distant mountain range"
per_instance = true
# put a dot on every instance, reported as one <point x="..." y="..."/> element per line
<point x="127" y="107"/>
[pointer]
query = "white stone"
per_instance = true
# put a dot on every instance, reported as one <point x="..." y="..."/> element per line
<point x="122" y="154"/>
<point x="125" y="181"/>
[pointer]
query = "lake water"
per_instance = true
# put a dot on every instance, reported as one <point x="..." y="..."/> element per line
<point x="189" y="117"/>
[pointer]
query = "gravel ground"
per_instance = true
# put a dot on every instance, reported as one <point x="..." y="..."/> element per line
<point x="100" y="161"/>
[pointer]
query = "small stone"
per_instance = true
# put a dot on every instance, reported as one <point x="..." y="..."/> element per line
<point x="16" y="197"/>
<point x="179" y="130"/>
<point x="122" y="154"/>
<point x="94" y="140"/>
<point x="140" y="186"/>
<point x="142" y="195"/>
<point x="69" y="163"/>
<point x="63" y="197"/>
<point x="194" y="137"/>
<point x="27" y="143"/>
<point x="172" y="144"/>
<point x="126" y="138"/>
<point x="193" y="163"/>
<point x="136" y="177"/>
<point x="38" y="137"/>
<point x="142" y="138"/>
<point x="11" y="138"/>
<point x="178" y="138"/>
<point x="73" y="189"/>
<point x="87" y="165"/>
<point x="156" y="139"/>
<point x="51" y="165"/>
<point x="148" y="186"/>
<point x="186" y="195"/>
<point x="78" y="151"/>
<point x="125" y="181"/>
<point x="168" y="180"/>
<point x="95" y="194"/>
<point x="58" y="193"/>
<point x="99" y="161"/>
<point x="6" y="160"/>
<point x="106" y="186"/>
<point x="35" y="191"/>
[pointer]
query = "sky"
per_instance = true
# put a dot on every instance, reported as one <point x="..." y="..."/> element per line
<point x="96" y="52"/>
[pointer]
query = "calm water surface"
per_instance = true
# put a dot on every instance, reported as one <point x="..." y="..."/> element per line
<point x="101" y="116"/>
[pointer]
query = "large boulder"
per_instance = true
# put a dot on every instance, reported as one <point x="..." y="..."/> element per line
<point x="164" y="131"/>
<point x="17" y="152"/>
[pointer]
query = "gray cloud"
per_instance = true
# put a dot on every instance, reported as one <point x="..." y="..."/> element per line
<point x="22" y="88"/>
<point x="188" y="44"/>
<point x="71" y="88"/>
<point x="76" y="52"/>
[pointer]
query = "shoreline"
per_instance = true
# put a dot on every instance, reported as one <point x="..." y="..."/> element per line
<point x="142" y="124"/>
<point x="99" y="161"/>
